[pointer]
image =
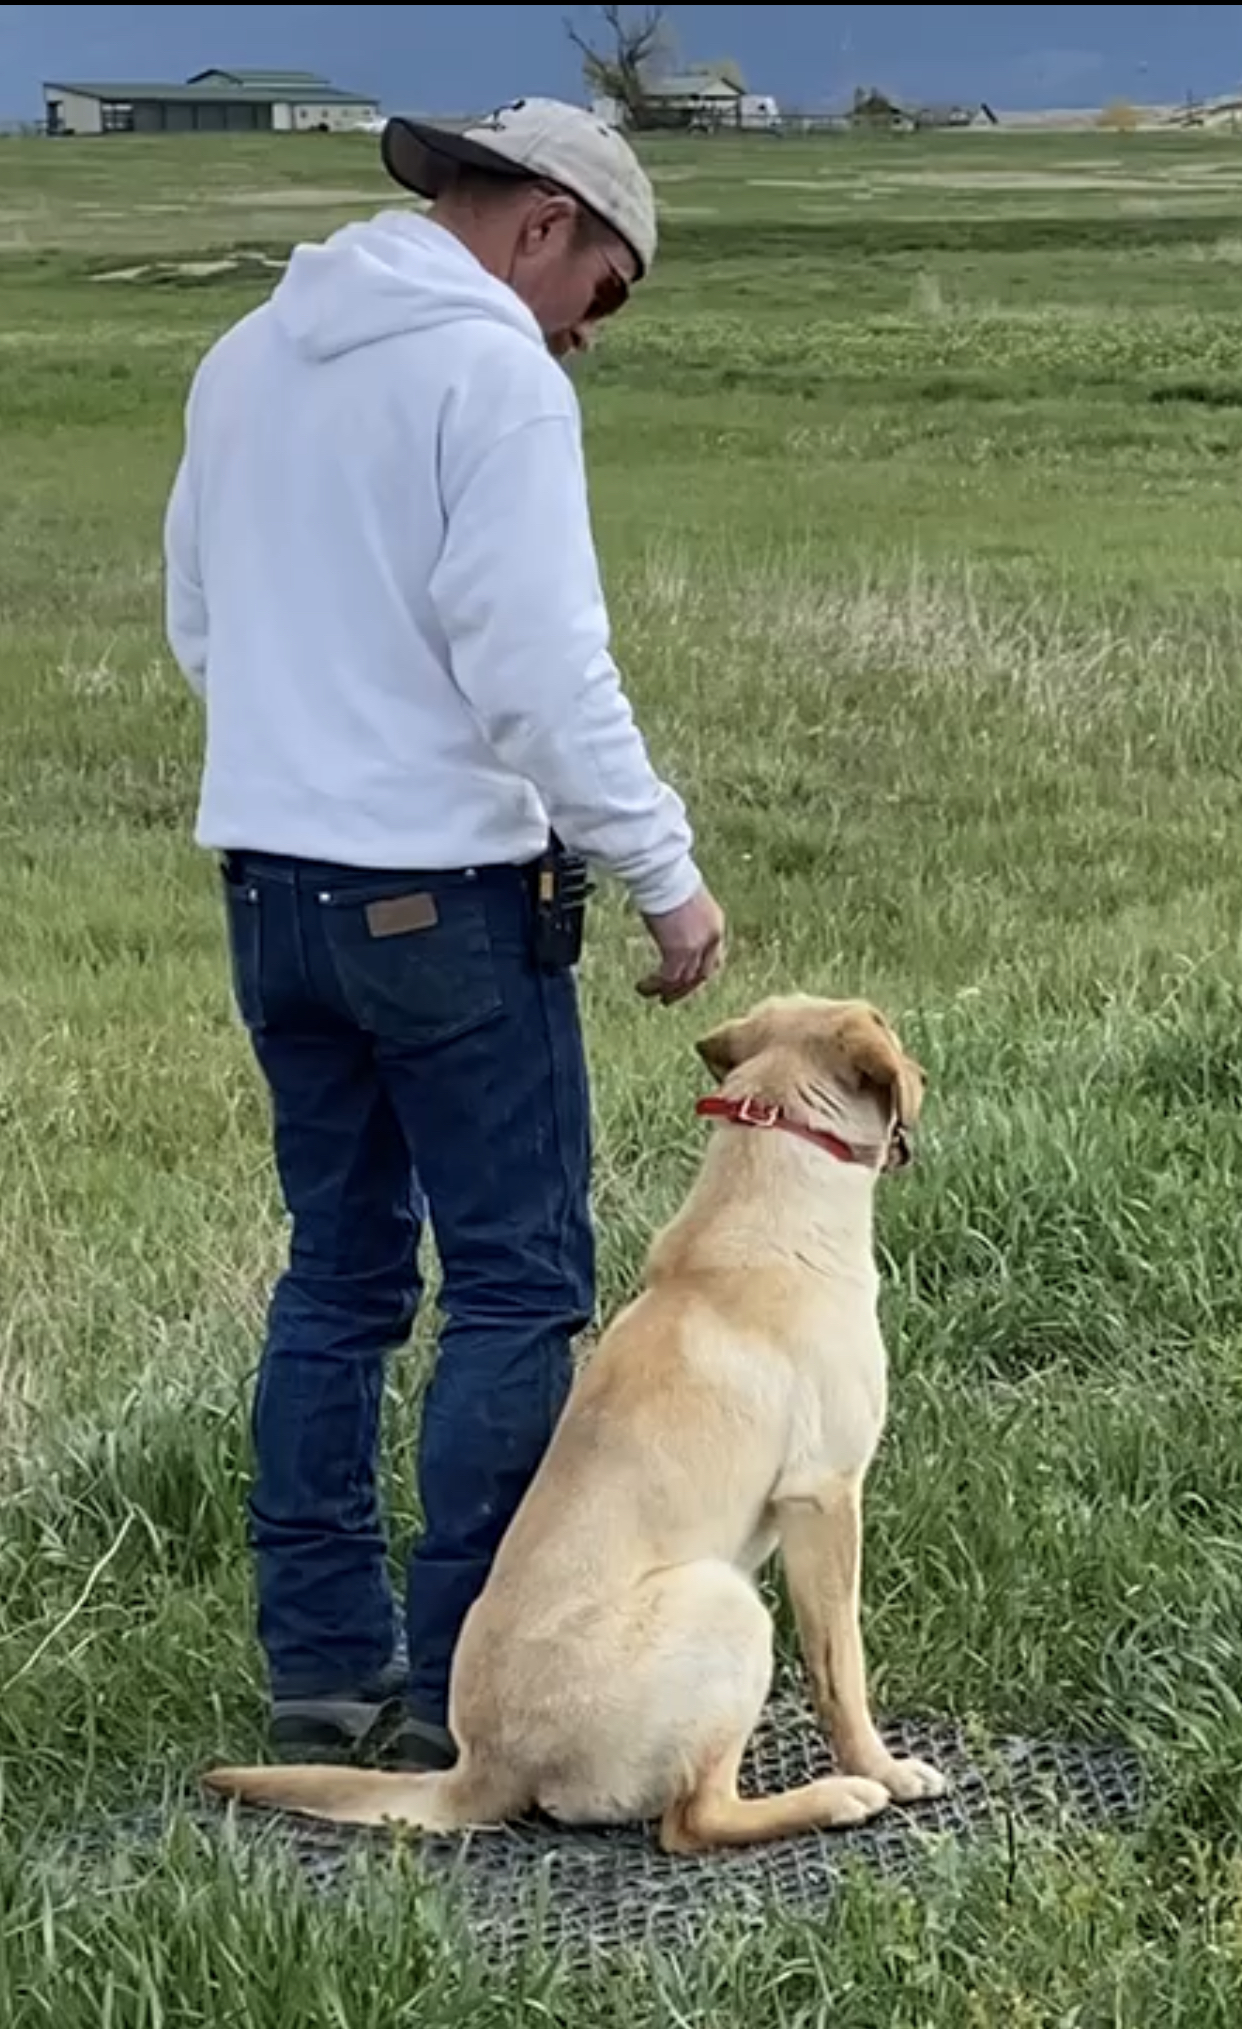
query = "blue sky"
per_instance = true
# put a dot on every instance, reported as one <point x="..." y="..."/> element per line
<point x="450" y="58"/>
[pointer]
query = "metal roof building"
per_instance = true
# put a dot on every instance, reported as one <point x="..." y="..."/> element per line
<point x="210" y="102"/>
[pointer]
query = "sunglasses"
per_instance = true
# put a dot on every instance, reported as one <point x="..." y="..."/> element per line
<point x="612" y="294"/>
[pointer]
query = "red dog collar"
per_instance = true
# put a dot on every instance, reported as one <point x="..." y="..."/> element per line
<point x="758" y="1113"/>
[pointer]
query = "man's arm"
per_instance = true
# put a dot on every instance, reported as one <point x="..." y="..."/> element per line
<point x="185" y="610"/>
<point x="519" y="597"/>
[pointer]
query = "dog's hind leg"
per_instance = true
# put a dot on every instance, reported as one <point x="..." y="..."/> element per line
<point x="715" y="1669"/>
<point x="715" y="1815"/>
<point x="660" y="1731"/>
<point x="710" y="1811"/>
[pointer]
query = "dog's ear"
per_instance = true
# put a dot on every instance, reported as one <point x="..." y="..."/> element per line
<point x="879" y="1060"/>
<point x="729" y="1045"/>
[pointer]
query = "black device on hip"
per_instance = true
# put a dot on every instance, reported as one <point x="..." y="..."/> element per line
<point x="560" y="884"/>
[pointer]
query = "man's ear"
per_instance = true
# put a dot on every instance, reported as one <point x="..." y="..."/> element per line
<point x="729" y="1045"/>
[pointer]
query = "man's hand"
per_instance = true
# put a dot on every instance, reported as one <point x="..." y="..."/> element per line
<point x="690" y="941"/>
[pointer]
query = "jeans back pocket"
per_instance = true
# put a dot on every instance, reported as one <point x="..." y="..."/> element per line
<point x="413" y="958"/>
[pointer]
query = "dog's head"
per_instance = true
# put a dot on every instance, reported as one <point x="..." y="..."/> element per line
<point x="798" y="1051"/>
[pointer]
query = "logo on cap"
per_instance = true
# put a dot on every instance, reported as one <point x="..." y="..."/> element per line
<point x="495" y="122"/>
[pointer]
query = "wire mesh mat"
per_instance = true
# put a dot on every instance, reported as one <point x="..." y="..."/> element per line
<point x="588" y="1893"/>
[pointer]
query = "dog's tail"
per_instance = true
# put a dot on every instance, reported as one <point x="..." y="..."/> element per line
<point x="454" y="1800"/>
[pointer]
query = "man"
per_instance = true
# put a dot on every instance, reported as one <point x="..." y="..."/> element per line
<point x="380" y="578"/>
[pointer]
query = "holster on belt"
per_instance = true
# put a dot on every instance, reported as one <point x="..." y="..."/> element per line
<point x="560" y="885"/>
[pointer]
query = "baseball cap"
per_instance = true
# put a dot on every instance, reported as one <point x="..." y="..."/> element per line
<point x="547" y="138"/>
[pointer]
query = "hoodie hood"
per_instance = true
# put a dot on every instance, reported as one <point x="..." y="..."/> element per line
<point x="388" y="277"/>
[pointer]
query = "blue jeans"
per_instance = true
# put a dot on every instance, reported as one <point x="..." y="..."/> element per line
<point x="421" y="1069"/>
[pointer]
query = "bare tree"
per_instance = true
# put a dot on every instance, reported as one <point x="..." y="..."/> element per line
<point x="873" y="109"/>
<point x="636" y="40"/>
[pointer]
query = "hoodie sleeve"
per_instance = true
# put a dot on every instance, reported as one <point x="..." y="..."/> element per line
<point x="185" y="609"/>
<point x="518" y="593"/>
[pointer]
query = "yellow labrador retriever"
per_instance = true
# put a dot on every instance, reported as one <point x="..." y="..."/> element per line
<point x="618" y="1659"/>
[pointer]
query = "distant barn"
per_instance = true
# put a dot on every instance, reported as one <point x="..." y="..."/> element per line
<point x="210" y="102"/>
<point x="700" y="101"/>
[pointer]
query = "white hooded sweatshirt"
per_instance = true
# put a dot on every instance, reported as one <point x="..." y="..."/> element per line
<point x="380" y="577"/>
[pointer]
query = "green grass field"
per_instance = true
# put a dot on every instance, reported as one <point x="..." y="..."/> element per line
<point x="916" y="481"/>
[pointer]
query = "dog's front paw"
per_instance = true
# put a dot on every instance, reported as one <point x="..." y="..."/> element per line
<point x="909" y="1781"/>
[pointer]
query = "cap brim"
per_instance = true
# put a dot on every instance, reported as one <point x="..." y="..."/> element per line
<point x="421" y="157"/>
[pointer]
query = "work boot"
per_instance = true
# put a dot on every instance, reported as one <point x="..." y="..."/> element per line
<point x="416" y="1744"/>
<point x="343" y="1725"/>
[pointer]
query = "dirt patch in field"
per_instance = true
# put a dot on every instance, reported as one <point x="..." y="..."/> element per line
<point x="171" y="271"/>
<point x="1023" y="179"/>
<point x="298" y="198"/>
<point x="1226" y="250"/>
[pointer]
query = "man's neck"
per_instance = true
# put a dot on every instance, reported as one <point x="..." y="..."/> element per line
<point x="479" y="235"/>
